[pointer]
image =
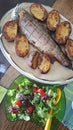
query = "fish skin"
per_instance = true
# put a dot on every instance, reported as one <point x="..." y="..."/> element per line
<point x="39" y="37"/>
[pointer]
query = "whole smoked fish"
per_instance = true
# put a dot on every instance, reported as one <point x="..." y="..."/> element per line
<point x="38" y="36"/>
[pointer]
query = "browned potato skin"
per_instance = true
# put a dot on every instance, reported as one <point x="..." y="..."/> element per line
<point x="36" y="9"/>
<point x="33" y="59"/>
<point x="21" y="45"/>
<point x="53" y="20"/>
<point x="44" y="63"/>
<point x="10" y="30"/>
<point x="69" y="49"/>
<point x="62" y="32"/>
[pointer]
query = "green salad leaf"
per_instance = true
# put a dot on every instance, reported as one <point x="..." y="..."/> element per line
<point x="26" y="100"/>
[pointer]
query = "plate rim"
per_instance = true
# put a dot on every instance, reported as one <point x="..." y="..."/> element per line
<point x="32" y="77"/>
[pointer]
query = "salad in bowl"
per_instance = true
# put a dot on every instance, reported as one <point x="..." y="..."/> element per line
<point x="30" y="101"/>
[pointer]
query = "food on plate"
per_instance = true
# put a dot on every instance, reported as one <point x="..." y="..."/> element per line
<point x="30" y="101"/>
<point x="69" y="48"/>
<point x="38" y="11"/>
<point x="21" y="45"/>
<point x="39" y="37"/>
<point x="33" y="59"/>
<point x="10" y="30"/>
<point x="62" y="32"/>
<point x="53" y="20"/>
<point x="45" y="64"/>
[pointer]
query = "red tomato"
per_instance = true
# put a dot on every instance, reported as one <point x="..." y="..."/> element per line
<point x="35" y="89"/>
<point x="18" y="102"/>
<point x="41" y="92"/>
<point x="30" y="109"/>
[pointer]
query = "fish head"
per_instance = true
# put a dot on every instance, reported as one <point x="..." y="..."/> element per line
<point x="21" y="14"/>
<point x="16" y="12"/>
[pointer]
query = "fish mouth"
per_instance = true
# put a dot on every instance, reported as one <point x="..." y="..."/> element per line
<point x="21" y="13"/>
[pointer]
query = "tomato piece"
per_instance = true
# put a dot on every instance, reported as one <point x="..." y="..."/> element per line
<point x="18" y="102"/>
<point x="35" y="89"/>
<point x="30" y="109"/>
<point x="41" y="92"/>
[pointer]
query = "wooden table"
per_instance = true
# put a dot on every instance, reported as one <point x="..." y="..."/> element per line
<point x="65" y="7"/>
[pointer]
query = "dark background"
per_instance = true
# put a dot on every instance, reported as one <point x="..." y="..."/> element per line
<point x="5" y="5"/>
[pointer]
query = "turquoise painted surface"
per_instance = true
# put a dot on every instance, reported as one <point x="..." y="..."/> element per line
<point x="68" y="117"/>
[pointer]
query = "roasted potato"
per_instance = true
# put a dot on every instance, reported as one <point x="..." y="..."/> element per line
<point x="53" y="20"/>
<point x="69" y="49"/>
<point x="33" y="59"/>
<point x="22" y="45"/>
<point x="38" y="11"/>
<point x="62" y="32"/>
<point x="44" y="64"/>
<point x="10" y="30"/>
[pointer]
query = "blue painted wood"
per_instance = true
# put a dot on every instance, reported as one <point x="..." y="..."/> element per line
<point x="4" y="64"/>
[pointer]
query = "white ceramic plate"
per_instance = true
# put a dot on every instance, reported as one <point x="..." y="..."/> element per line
<point x="8" y="57"/>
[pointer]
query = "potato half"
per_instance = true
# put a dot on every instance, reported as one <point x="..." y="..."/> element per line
<point x="53" y="20"/>
<point x="69" y="49"/>
<point x="33" y="59"/>
<point x="38" y="11"/>
<point x="44" y="65"/>
<point x="62" y="32"/>
<point x="22" y="45"/>
<point x="10" y="30"/>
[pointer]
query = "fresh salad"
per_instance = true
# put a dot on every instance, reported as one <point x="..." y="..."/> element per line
<point x="26" y="100"/>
